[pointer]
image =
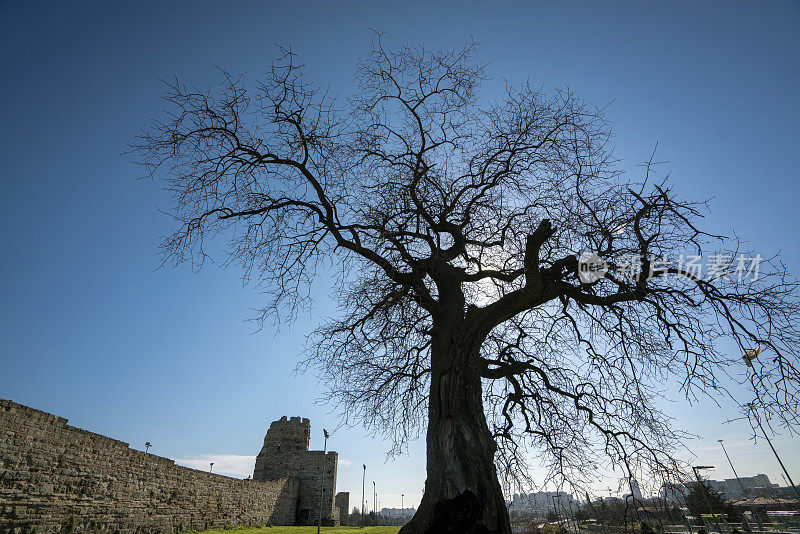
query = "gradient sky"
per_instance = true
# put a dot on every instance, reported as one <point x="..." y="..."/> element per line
<point x="92" y="331"/>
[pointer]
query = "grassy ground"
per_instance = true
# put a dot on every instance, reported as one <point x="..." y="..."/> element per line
<point x="306" y="530"/>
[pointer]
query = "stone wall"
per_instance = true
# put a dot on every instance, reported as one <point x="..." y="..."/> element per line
<point x="58" y="478"/>
<point x="343" y="504"/>
<point x="285" y="454"/>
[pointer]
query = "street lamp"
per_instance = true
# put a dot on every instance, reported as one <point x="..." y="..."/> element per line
<point x="212" y="467"/>
<point x="748" y="357"/>
<point x="731" y="464"/>
<point x="375" y="501"/>
<point x="741" y="485"/>
<point x="322" y="483"/>
<point x="363" y="500"/>
<point x="769" y="441"/>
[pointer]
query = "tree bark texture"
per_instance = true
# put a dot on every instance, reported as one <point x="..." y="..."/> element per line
<point x="462" y="491"/>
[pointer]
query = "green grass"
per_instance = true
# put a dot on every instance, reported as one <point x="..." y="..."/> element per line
<point x="306" y="530"/>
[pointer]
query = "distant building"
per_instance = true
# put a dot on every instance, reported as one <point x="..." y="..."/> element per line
<point x="730" y="488"/>
<point x="673" y="493"/>
<point x="541" y="502"/>
<point x="637" y="493"/>
<point x="398" y="512"/>
<point x="746" y="486"/>
<point x="720" y="486"/>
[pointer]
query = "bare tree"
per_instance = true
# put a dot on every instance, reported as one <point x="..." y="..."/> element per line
<point x="456" y="226"/>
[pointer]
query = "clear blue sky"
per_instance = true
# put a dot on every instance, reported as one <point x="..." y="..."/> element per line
<point x="91" y="331"/>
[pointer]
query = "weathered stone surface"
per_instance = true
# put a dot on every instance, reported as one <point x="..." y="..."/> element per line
<point x="343" y="504"/>
<point x="58" y="478"/>
<point x="285" y="454"/>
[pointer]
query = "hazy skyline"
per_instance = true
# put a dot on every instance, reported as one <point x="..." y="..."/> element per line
<point x="94" y="332"/>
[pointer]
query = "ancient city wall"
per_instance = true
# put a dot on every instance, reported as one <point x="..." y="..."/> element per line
<point x="310" y="475"/>
<point x="343" y="504"/>
<point x="285" y="453"/>
<point x="58" y="478"/>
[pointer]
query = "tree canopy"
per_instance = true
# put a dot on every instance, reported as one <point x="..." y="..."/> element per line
<point x="503" y="284"/>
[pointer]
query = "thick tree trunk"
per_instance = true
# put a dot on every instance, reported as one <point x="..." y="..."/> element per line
<point x="462" y="492"/>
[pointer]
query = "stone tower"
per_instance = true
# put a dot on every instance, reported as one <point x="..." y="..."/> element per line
<point x="285" y="454"/>
<point x="285" y="442"/>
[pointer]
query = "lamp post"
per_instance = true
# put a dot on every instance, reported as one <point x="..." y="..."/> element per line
<point x="211" y="469"/>
<point x="741" y="486"/>
<point x="721" y="442"/>
<point x="748" y="358"/>
<point x="322" y="488"/>
<point x="769" y="441"/>
<point x="375" y="501"/>
<point x="363" y="501"/>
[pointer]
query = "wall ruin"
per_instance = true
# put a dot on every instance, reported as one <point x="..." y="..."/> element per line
<point x="343" y="504"/>
<point x="59" y="478"/>
<point x="285" y="454"/>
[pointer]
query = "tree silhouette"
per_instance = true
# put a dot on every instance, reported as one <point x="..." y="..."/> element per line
<point x="454" y="227"/>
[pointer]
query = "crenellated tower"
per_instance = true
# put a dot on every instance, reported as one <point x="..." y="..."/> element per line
<point x="285" y="454"/>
